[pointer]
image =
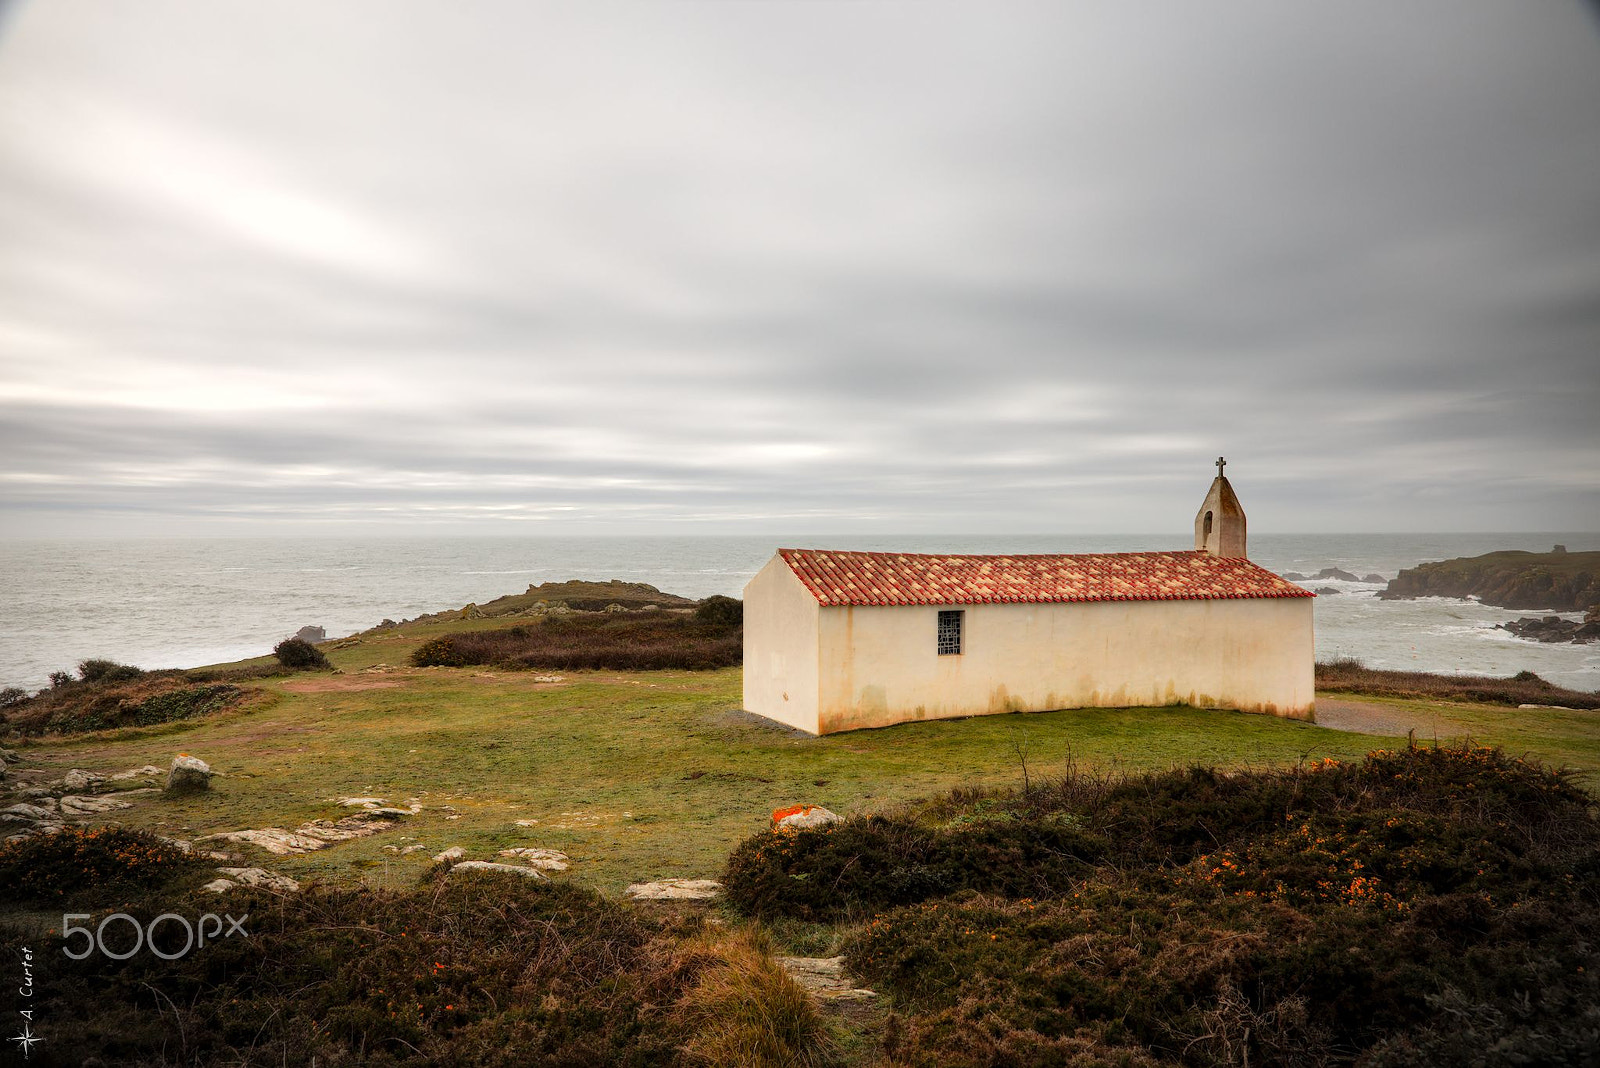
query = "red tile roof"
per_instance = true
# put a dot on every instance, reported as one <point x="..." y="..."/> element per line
<point x="851" y="578"/>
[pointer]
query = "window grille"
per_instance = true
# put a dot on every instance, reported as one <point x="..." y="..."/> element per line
<point x="950" y="632"/>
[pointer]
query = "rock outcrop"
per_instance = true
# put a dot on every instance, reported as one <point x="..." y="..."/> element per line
<point x="1555" y="630"/>
<point x="486" y="865"/>
<point x="1561" y="582"/>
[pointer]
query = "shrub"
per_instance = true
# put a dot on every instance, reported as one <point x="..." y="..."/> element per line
<point x="1421" y="906"/>
<point x="12" y="695"/>
<point x="463" y="970"/>
<point x="299" y="654"/>
<point x="439" y="652"/>
<point x="881" y="861"/>
<point x="107" y="671"/>
<point x="720" y="610"/>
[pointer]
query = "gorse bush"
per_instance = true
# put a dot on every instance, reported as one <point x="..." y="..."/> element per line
<point x="616" y="641"/>
<point x="299" y="654"/>
<point x="107" y="671"/>
<point x="96" y="866"/>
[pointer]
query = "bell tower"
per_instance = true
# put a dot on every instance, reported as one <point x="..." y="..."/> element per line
<point x="1219" y="525"/>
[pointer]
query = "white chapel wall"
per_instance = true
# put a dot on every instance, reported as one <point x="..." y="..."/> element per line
<point x="880" y="665"/>
<point x="780" y="647"/>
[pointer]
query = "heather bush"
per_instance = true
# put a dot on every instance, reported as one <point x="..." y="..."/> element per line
<point x="1306" y="916"/>
<point x="299" y="654"/>
<point x="465" y="969"/>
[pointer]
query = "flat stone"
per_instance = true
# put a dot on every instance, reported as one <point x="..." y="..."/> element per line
<point x="546" y="859"/>
<point x="362" y="802"/>
<point x="147" y="772"/>
<point x="32" y="812"/>
<point x="453" y="853"/>
<point x="218" y="886"/>
<point x="675" y="890"/>
<point x="275" y="840"/>
<point x="91" y="806"/>
<point x="261" y="879"/>
<point x="485" y="865"/>
<point x="825" y="977"/>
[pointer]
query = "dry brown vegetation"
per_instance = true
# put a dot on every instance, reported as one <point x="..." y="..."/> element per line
<point x="123" y="697"/>
<point x="1524" y="688"/>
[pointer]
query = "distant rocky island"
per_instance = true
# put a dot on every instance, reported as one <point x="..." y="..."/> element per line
<point x="1554" y="581"/>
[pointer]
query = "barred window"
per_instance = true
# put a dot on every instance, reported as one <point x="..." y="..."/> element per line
<point x="950" y="632"/>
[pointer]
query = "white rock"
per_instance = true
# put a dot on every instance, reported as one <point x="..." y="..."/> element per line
<point x="484" y="865"/>
<point x="362" y="802"/>
<point x="808" y="820"/>
<point x="189" y="773"/>
<point x="262" y="879"/>
<point x="825" y="977"/>
<point x="78" y="779"/>
<point x="33" y="812"/>
<point x="148" y="771"/>
<point x="218" y="886"/>
<point x="547" y="859"/>
<point x="91" y="806"/>
<point x="453" y="853"/>
<point x="675" y="890"/>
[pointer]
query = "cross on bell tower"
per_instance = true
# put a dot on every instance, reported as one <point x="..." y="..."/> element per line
<point x="1219" y="525"/>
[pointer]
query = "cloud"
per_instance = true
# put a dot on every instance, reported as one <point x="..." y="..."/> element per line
<point x="785" y="265"/>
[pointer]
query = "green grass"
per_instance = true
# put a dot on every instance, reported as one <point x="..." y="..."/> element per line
<point x="659" y="772"/>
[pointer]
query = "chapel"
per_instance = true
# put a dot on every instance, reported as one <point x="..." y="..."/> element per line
<point x="837" y="640"/>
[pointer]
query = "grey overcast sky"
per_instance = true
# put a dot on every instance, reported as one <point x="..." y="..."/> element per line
<point x="797" y="266"/>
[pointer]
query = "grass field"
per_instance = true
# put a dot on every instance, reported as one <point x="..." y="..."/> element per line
<point x="655" y="774"/>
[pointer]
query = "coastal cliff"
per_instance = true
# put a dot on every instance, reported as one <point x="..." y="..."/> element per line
<point x="1554" y="581"/>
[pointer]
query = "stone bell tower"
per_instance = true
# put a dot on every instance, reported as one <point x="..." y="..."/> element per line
<point x="1219" y="525"/>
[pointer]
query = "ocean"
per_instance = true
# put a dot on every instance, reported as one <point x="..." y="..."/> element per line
<point x="183" y="602"/>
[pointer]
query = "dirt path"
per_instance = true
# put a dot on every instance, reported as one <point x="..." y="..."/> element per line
<point x="1368" y="717"/>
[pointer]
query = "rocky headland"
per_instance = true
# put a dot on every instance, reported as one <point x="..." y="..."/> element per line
<point x="1555" y="581"/>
